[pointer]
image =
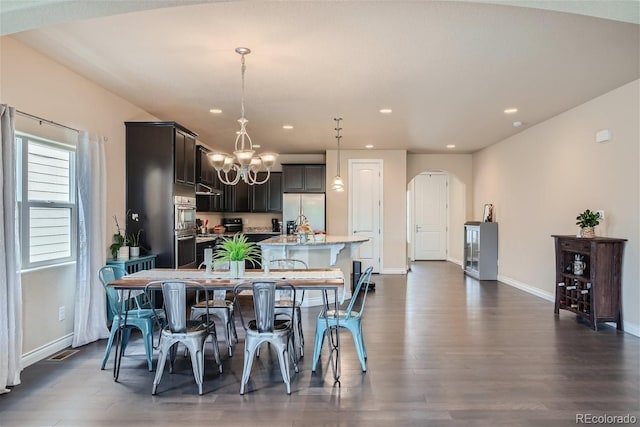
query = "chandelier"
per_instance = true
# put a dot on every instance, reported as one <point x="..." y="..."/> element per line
<point x="338" y="184"/>
<point x="243" y="165"/>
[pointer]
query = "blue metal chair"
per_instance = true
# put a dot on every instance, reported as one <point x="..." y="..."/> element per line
<point x="265" y="328"/>
<point x="192" y="333"/>
<point x="140" y="318"/>
<point x="346" y="319"/>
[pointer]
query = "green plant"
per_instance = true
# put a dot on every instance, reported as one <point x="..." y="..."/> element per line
<point x="134" y="238"/>
<point x="118" y="239"/>
<point x="237" y="248"/>
<point x="588" y="218"/>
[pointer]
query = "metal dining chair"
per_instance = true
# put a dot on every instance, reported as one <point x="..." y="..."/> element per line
<point x="143" y="319"/>
<point x="284" y="302"/>
<point x="346" y="319"/>
<point x="192" y="333"/>
<point x="221" y="308"/>
<point x="264" y="327"/>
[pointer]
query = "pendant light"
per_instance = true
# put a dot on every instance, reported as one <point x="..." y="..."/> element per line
<point x="338" y="184"/>
<point x="243" y="162"/>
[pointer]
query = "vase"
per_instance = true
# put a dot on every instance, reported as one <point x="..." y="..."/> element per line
<point x="123" y="252"/>
<point x="236" y="269"/>
<point x="134" y="251"/>
<point x="588" y="232"/>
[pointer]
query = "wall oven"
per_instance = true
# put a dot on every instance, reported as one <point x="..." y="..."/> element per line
<point x="185" y="232"/>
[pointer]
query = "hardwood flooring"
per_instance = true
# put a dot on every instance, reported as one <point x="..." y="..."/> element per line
<point x="443" y="350"/>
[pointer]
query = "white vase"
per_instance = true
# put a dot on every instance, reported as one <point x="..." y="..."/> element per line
<point x="123" y="252"/>
<point x="236" y="269"/>
<point x="134" y="251"/>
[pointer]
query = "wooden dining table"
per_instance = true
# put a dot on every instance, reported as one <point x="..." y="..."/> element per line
<point x="327" y="280"/>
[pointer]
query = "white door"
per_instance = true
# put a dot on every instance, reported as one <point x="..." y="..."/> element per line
<point x="365" y="209"/>
<point x="430" y="216"/>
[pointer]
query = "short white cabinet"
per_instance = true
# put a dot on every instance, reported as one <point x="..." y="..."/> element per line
<point x="481" y="250"/>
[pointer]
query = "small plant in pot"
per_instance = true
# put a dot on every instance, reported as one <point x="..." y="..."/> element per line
<point x="118" y="241"/>
<point x="586" y="221"/>
<point x="237" y="250"/>
<point x="134" y="243"/>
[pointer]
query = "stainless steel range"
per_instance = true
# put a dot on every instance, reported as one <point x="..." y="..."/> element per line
<point x="232" y="225"/>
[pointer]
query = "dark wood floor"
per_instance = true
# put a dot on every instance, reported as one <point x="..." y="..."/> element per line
<point x="444" y="350"/>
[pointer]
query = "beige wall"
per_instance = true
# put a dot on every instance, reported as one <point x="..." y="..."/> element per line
<point x="459" y="169"/>
<point x="34" y="84"/>
<point x="541" y="178"/>
<point x="394" y="254"/>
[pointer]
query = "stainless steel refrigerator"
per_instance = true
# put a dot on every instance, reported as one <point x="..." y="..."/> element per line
<point x="311" y="205"/>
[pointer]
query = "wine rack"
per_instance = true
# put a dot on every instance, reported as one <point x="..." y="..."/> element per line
<point x="588" y="278"/>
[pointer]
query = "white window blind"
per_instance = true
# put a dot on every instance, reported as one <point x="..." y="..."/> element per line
<point x="48" y="201"/>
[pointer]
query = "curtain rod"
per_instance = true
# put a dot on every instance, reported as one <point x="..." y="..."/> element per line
<point x="41" y="120"/>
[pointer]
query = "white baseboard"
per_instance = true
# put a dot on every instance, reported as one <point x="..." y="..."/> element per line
<point x="631" y="328"/>
<point x="46" y="350"/>
<point x="455" y="261"/>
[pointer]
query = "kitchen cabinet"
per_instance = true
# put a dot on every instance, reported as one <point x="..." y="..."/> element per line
<point x="207" y="175"/>
<point x="185" y="152"/>
<point x="236" y="197"/>
<point x="481" y="250"/>
<point x="267" y="197"/>
<point x="588" y="278"/>
<point x="303" y="178"/>
<point x="160" y="164"/>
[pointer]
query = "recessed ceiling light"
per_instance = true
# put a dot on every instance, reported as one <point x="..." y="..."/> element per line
<point x="215" y="111"/>
<point x="511" y="111"/>
<point x="368" y="146"/>
<point x="451" y="145"/>
<point x="256" y="145"/>
<point x="386" y="110"/>
<point x="287" y="127"/>
<point x="517" y="124"/>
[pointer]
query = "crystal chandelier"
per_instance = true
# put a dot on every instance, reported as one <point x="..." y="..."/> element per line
<point x="243" y="164"/>
<point x="337" y="184"/>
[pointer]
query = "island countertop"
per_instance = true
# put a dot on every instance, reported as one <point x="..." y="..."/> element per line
<point x="292" y="240"/>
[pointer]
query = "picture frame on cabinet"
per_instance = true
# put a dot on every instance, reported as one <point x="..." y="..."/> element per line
<point x="487" y="215"/>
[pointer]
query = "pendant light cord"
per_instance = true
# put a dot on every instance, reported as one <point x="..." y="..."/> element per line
<point x="338" y="137"/>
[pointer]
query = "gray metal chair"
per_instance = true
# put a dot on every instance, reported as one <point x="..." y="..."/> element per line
<point x="264" y="327"/>
<point x="192" y="333"/>
<point x="221" y="308"/>
<point x="284" y="302"/>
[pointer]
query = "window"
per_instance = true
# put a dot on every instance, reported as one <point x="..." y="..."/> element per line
<point x="47" y="193"/>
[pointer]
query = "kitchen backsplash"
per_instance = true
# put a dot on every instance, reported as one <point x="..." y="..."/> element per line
<point x="252" y="222"/>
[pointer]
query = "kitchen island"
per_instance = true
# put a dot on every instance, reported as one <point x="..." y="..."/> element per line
<point x="330" y="251"/>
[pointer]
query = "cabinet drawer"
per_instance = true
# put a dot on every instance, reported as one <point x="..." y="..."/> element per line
<point x="577" y="245"/>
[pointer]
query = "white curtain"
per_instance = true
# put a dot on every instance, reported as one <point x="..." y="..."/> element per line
<point x="89" y="323"/>
<point x="10" y="279"/>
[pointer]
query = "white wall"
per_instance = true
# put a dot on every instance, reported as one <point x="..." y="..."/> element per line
<point x="35" y="84"/>
<point x="541" y="178"/>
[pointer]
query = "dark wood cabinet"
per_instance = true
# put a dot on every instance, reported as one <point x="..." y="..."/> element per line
<point x="267" y="197"/>
<point x="158" y="167"/>
<point x="588" y="278"/>
<point x="184" y="157"/>
<point x="303" y="178"/>
<point x="236" y="197"/>
<point x="207" y="175"/>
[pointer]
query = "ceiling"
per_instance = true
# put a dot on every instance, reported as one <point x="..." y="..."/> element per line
<point x="446" y="69"/>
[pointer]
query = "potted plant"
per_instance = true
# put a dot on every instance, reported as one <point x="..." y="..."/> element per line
<point x="119" y="248"/>
<point x="586" y="221"/>
<point x="134" y="243"/>
<point x="237" y="250"/>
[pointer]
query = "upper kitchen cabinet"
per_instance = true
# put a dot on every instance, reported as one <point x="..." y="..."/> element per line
<point x="209" y="189"/>
<point x="151" y="143"/>
<point x="267" y="197"/>
<point x="303" y="178"/>
<point x="185" y="157"/>
<point x="236" y="197"/>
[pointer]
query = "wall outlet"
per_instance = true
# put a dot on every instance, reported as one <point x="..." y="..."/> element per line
<point x="61" y="313"/>
<point x="601" y="214"/>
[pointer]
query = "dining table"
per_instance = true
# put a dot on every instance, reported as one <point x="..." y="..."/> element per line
<point x="327" y="280"/>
